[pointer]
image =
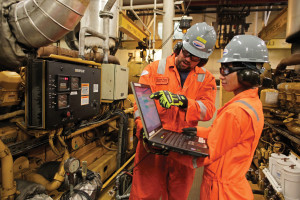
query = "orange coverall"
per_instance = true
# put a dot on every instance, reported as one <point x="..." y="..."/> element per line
<point x="157" y="175"/>
<point x="232" y="140"/>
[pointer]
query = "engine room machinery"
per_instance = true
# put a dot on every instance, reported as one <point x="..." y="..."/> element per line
<point x="66" y="127"/>
<point x="278" y="152"/>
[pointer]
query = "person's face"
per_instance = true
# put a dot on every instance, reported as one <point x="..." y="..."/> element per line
<point x="185" y="61"/>
<point x="229" y="79"/>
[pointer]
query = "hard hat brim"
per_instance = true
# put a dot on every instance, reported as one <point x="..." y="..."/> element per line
<point x="195" y="51"/>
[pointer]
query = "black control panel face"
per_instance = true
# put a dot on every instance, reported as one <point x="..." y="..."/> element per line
<point x="60" y="92"/>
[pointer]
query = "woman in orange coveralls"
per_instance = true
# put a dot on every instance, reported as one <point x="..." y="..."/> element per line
<point x="235" y="132"/>
<point x="180" y="75"/>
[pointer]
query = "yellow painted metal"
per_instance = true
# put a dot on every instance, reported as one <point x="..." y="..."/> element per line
<point x="127" y="26"/>
<point x="9" y="88"/>
<point x="76" y="60"/>
<point x="117" y="172"/>
<point x="276" y="26"/>
<point x="106" y="101"/>
<point x="129" y="110"/>
<point x="135" y="70"/>
<point x="58" y="177"/>
<point x="108" y="193"/>
<point x="278" y="44"/>
<point x="8" y="185"/>
<point x="106" y="165"/>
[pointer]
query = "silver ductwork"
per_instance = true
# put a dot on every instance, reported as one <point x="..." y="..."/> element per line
<point x="32" y="24"/>
<point x="37" y="23"/>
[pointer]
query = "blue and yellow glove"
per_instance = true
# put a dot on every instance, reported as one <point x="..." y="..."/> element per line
<point x="168" y="99"/>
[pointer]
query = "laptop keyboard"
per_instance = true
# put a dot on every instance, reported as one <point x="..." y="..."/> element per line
<point x="175" y="139"/>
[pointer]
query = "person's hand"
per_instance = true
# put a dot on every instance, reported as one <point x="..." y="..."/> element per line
<point x="168" y="99"/>
<point x="190" y="131"/>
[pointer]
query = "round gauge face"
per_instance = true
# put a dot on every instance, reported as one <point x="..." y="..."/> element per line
<point x="62" y="101"/>
<point x="75" y="83"/>
<point x="72" y="165"/>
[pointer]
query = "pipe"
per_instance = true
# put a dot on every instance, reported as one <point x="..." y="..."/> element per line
<point x="82" y="39"/>
<point x="109" y="5"/>
<point x="54" y="149"/>
<point x="60" y="138"/>
<point x="106" y="41"/>
<point x="9" y="187"/>
<point x="148" y="6"/>
<point x="98" y="57"/>
<point x="292" y="125"/>
<point x="154" y="25"/>
<point x="12" y="114"/>
<point x="106" y="15"/>
<point x="58" y="179"/>
<point x="168" y="28"/>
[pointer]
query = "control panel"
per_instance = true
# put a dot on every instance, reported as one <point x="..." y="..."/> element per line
<point x="60" y="92"/>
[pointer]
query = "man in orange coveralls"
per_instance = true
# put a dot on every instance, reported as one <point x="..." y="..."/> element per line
<point x="235" y="132"/>
<point x="192" y="90"/>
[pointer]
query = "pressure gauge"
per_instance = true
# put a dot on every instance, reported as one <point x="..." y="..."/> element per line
<point x="72" y="165"/>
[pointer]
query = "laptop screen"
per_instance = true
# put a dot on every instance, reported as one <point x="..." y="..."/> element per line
<point x="148" y="109"/>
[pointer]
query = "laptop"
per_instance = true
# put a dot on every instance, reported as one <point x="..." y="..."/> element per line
<point x="154" y="132"/>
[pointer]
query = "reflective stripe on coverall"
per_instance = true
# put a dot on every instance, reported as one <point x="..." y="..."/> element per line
<point x="156" y="175"/>
<point x="232" y="140"/>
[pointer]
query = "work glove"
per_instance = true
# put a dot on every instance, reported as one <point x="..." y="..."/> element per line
<point x="191" y="131"/>
<point x="168" y="99"/>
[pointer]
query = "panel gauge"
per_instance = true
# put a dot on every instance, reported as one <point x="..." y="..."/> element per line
<point x="63" y="83"/>
<point x="62" y="101"/>
<point x="75" y="83"/>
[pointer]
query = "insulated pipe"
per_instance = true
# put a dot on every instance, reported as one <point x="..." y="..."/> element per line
<point x="39" y="23"/>
<point x="98" y="57"/>
<point x="168" y="28"/>
<point x="82" y="39"/>
<point x="8" y="188"/>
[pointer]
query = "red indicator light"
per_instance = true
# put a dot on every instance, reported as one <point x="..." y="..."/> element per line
<point x="66" y="78"/>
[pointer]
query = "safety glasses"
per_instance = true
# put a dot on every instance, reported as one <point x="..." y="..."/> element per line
<point x="226" y="69"/>
<point x="188" y="54"/>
